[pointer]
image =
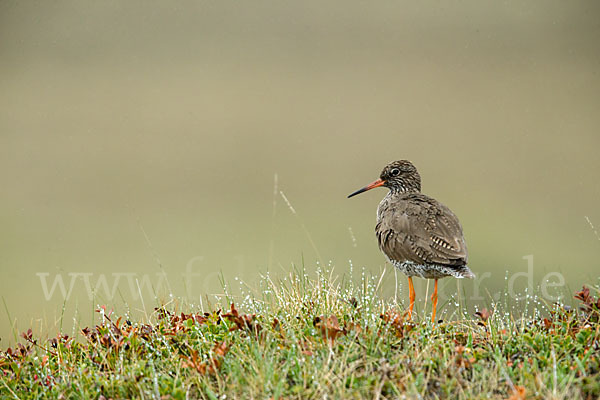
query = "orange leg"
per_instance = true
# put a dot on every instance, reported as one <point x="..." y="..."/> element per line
<point x="411" y="294"/>
<point x="434" y="301"/>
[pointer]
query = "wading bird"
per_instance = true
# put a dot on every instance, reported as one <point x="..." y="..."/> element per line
<point x="419" y="235"/>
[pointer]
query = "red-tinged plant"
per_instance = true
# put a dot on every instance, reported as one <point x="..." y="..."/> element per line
<point x="484" y="314"/>
<point x="244" y="322"/>
<point x="590" y="305"/>
<point x="329" y="327"/>
<point x="460" y="360"/>
<point x="398" y="322"/>
<point x="212" y="365"/>
<point x="518" y="393"/>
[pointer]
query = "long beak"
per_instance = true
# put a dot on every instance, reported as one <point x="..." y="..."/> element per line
<point x="375" y="184"/>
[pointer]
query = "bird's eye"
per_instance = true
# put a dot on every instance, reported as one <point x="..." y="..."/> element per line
<point x="394" y="172"/>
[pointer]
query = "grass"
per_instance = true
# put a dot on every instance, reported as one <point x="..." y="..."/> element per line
<point x="322" y="337"/>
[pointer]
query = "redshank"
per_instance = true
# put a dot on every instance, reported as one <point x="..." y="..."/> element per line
<point x="419" y="235"/>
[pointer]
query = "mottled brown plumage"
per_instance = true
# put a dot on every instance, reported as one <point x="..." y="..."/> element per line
<point x="417" y="234"/>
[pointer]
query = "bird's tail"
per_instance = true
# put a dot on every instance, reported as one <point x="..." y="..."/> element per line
<point x="465" y="272"/>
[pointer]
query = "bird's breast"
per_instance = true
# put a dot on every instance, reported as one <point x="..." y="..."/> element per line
<point x="382" y="208"/>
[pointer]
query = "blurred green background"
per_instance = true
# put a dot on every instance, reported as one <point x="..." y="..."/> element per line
<point x="140" y="137"/>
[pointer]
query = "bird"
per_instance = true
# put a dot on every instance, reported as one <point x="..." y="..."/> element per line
<point x="418" y="235"/>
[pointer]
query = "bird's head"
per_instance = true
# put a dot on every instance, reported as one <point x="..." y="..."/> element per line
<point x="398" y="176"/>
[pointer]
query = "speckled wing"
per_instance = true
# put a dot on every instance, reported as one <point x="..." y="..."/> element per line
<point x="418" y="228"/>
